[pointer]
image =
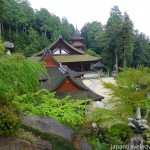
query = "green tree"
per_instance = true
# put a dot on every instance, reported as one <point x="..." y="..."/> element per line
<point x="67" y="30"/>
<point x="92" y="53"/>
<point x="127" y="39"/>
<point x="33" y="43"/>
<point x="141" y="50"/>
<point x="17" y="76"/>
<point x="2" y="48"/>
<point x="92" y="33"/>
<point x="130" y="91"/>
<point x="113" y="33"/>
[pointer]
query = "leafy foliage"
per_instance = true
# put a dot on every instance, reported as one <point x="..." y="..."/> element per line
<point x="92" y="33"/>
<point x="141" y="52"/>
<point x="2" y="49"/>
<point x="122" y="131"/>
<point x="30" y="30"/>
<point x="9" y="121"/>
<point x="118" y="134"/>
<point x="43" y="103"/>
<point x="130" y="91"/>
<point x="17" y="76"/>
<point x="103" y="117"/>
<point x="92" y="53"/>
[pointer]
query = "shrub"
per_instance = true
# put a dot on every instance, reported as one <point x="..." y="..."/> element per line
<point x="43" y="103"/>
<point x="9" y="122"/>
<point x="120" y="131"/>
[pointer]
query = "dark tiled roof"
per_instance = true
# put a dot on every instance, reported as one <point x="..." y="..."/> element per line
<point x="98" y="65"/>
<point x="57" y="77"/>
<point x="74" y="74"/>
<point x="77" y="37"/>
<point x="79" y="95"/>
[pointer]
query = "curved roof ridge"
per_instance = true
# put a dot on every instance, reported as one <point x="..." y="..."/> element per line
<point x="60" y="38"/>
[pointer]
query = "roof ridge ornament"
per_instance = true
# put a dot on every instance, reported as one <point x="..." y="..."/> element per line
<point x="63" y="69"/>
<point x="60" y="36"/>
<point x="48" y="50"/>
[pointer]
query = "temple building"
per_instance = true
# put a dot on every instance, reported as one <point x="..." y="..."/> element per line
<point x="63" y="81"/>
<point x="72" y="56"/>
<point x="78" y="40"/>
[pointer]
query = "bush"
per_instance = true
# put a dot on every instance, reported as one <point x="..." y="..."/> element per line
<point x="9" y="122"/>
<point x="120" y="131"/>
<point x="43" y="103"/>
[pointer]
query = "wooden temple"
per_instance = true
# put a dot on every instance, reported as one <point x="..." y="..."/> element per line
<point x="71" y="56"/>
<point x="78" y="40"/>
<point x="64" y="81"/>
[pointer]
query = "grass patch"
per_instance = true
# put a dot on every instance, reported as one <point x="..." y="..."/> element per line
<point x="24" y="135"/>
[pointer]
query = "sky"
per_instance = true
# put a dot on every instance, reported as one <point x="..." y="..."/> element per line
<point x="79" y="12"/>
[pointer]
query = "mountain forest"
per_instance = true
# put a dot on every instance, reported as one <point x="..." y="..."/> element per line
<point x="123" y="49"/>
<point x="31" y="30"/>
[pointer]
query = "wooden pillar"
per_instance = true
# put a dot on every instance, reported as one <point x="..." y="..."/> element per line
<point x="82" y="67"/>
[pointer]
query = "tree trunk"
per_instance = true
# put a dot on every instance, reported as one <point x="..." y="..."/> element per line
<point x="25" y="30"/>
<point x="17" y="30"/>
<point x="45" y="33"/>
<point x="116" y="62"/>
<point x="10" y="32"/>
<point x="124" y="58"/>
<point x="124" y="61"/>
<point x="0" y="29"/>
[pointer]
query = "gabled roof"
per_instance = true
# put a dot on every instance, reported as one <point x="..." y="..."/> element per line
<point x="66" y="45"/>
<point x="74" y="74"/>
<point x="75" y="55"/>
<point x="47" y="54"/>
<point x="98" y="65"/>
<point x="57" y="77"/>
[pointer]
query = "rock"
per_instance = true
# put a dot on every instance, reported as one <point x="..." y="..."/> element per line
<point x="7" y="143"/>
<point x="81" y="144"/>
<point x="14" y="144"/>
<point x="48" y="125"/>
<point x="85" y="145"/>
<point x="42" y="145"/>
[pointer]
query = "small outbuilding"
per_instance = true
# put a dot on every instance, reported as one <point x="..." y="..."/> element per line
<point x="9" y="46"/>
<point x="99" y="67"/>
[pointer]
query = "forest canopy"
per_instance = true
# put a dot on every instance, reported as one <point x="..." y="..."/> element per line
<point x="31" y="30"/>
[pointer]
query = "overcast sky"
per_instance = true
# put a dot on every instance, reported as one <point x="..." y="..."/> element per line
<point x="78" y="12"/>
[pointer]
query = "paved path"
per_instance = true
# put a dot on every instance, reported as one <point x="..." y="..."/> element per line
<point x="97" y="86"/>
